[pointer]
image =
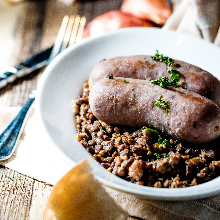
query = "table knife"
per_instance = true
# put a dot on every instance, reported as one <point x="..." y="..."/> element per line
<point x="36" y="62"/>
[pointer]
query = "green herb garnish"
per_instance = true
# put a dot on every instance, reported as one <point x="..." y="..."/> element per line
<point x="162" y="58"/>
<point x="161" y="81"/>
<point x="125" y="81"/>
<point x="159" y="141"/>
<point x="152" y="131"/>
<point x="164" y="142"/>
<point x="161" y="103"/>
<point x="158" y="156"/>
<point x="174" y="74"/>
<point x="168" y="156"/>
<point x="110" y="77"/>
<point x="164" y="81"/>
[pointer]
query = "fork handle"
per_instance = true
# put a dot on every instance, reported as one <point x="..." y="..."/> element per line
<point x="10" y="136"/>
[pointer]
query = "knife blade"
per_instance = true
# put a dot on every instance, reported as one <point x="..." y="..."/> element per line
<point x="36" y="62"/>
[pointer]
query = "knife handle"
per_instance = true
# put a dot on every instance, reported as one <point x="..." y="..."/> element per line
<point x="10" y="136"/>
<point x="18" y="72"/>
<point x="10" y="76"/>
<point x="37" y="61"/>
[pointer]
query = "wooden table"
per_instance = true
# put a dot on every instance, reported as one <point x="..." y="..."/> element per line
<point x="37" y="25"/>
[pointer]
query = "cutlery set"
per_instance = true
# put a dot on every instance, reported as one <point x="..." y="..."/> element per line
<point x="70" y="32"/>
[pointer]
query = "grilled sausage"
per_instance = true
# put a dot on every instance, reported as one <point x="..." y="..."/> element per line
<point x="143" y="67"/>
<point x="190" y="117"/>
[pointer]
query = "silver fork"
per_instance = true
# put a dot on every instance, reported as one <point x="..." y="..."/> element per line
<point x="70" y="32"/>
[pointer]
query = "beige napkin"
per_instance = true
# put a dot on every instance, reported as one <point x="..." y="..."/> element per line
<point x="35" y="155"/>
<point x="200" y="18"/>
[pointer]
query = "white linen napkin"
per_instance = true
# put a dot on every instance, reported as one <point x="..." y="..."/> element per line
<point x="35" y="154"/>
<point x="200" y="18"/>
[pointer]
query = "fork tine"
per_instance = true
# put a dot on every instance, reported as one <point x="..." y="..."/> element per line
<point x="59" y="40"/>
<point x="81" y="29"/>
<point x="77" y="30"/>
<point x="68" y="32"/>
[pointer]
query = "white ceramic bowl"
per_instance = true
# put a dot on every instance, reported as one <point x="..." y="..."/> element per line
<point x="63" y="79"/>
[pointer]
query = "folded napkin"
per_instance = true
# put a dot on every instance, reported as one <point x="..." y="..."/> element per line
<point x="200" y="18"/>
<point x="36" y="157"/>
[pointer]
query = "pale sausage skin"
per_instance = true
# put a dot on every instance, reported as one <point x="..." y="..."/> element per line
<point x="191" y="117"/>
<point x="192" y="77"/>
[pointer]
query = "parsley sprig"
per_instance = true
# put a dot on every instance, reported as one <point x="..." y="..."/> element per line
<point x="174" y="74"/>
<point x="158" y="156"/>
<point x="125" y="81"/>
<point x="161" y="81"/>
<point x="161" y="103"/>
<point x="164" y="142"/>
<point x="162" y="58"/>
<point x="110" y="77"/>
<point x="153" y="131"/>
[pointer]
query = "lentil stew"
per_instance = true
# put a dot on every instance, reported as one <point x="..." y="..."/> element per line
<point x="143" y="155"/>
